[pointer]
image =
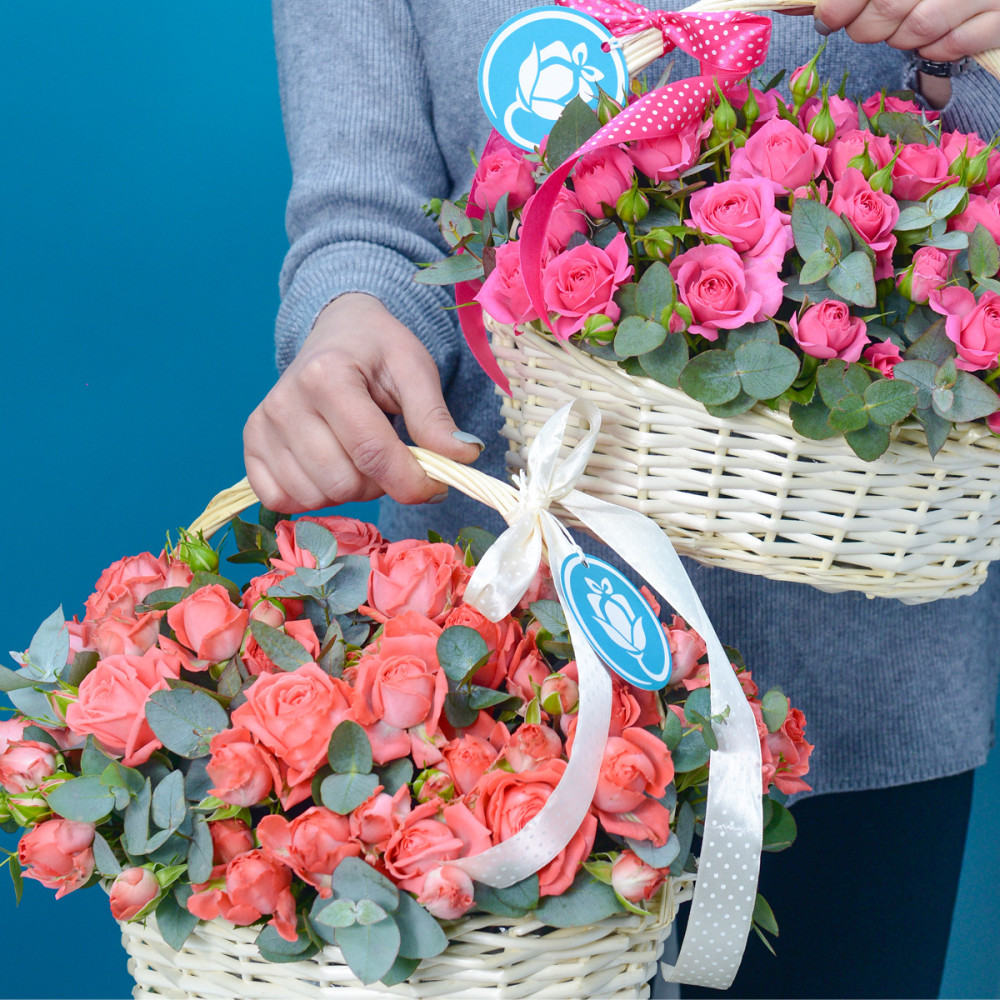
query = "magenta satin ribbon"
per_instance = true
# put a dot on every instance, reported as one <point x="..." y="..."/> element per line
<point x="728" y="47"/>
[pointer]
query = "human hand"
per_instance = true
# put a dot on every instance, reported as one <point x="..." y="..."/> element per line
<point x="940" y="30"/>
<point x="321" y="435"/>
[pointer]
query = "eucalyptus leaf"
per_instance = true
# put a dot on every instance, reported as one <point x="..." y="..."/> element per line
<point x="765" y="370"/>
<point x="104" y="857"/>
<point x="174" y="921"/>
<point x="740" y="403"/>
<point x="868" y="443"/>
<point x="945" y="202"/>
<point x="550" y="616"/>
<point x="817" y="267"/>
<point x="199" y="858"/>
<point x="657" y="857"/>
<point x="953" y="239"/>
<point x="16" y="680"/>
<point x="921" y="375"/>
<point x="763" y="331"/>
<point x="586" y="901"/>
<point x="984" y="256"/>
<point x="763" y="915"/>
<point x="457" y="710"/>
<point x="168" y="807"/>
<point x="849" y="413"/>
<point x="350" y="589"/>
<point x="350" y="750"/>
<point x="274" y="948"/>
<point x="455" y="225"/>
<point x="369" y="949"/>
<point x="971" y="399"/>
<point x="319" y="541"/>
<point x="354" y="879"/>
<point x="854" y="279"/>
<point x="476" y="540"/>
<point x="655" y="291"/>
<point x="684" y="831"/>
<point x="340" y="913"/>
<point x="185" y="721"/>
<point x="900" y="125"/>
<point x="711" y="377"/>
<point x="637" y="336"/>
<point x="888" y="401"/>
<point x="206" y="579"/>
<point x="342" y="793"/>
<point x="395" y="774"/>
<point x="691" y="753"/>
<point x="936" y="429"/>
<point x="420" y="935"/>
<point x="577" y="123"/>
<point x="84" y="799"/>
<point x="49" y="648"/>
<point x="774" y="709"/>
<point x="810" y="221"/>
<point x="461" y="651"/>
<point x="401" y="971"/>
<point x="450" y="270"/>
<point x="513" y="901"/>
<point x="780" y="831"/>
<point x="136" y="834"/>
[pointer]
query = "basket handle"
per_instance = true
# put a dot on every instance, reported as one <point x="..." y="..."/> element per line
<point x="473" y="483"/>
<point x="645" y="46"/>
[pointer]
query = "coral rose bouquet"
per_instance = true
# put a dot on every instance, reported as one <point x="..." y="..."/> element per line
<point x="318" y="752"/>
<point x="787" y="246"/>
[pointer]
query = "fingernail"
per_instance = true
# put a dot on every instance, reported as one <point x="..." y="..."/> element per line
<point x="438" y="497"/>
<point x="466" y="438"/>
<point x="821" y="28"/>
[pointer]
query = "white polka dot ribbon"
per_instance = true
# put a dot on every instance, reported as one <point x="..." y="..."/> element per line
<point x="727" y="870"/>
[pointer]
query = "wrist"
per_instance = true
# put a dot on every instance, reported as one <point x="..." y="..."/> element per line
<point x="935" y="90"/>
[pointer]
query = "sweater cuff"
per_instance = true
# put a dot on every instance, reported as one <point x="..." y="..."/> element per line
<point x="335" y="270"/>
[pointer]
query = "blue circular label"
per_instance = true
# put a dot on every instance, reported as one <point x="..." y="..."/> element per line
<point x="617" y="621"/>
<point x="537" y="62"/>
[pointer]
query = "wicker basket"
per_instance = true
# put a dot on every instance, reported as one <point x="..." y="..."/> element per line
<point x="750" y="494"/>
<point x="486" y="958"/>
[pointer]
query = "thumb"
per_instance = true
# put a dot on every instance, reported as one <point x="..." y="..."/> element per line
<point x="428" y="420"/>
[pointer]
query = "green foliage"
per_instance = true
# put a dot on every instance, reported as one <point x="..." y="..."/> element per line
<point x="779" y="830"/>
<point x="350" y="750"/>
<point x="185" y="721"/>
<point x="577" y="123"/>
<point x="284" y="651"/>
<point x="514" y="901"/>
<point x="274" y="948"/>
<point x="84" y="800"/>
<point x="343" y="793"/>
<point x="984" y="256"/>
<point x="173" y="919"/>
<point x="586" y="901"/>
<point x="461" y="652"/>
<point x="420" y="935"/>
<point x="774" y="708"/>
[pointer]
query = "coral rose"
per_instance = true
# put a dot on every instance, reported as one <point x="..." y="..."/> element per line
<point x="378" y="818"/>
<point x="312" y="844"/>
<point x="209" y="624"/>
<point x="531" y="745"/>
<point x="294" y="714"/>
<point x="635" y="764"/>
<point x="111" y="704"/>
<point x="466" y="759"/>
<point x="241" y="771"/>
<point x="502" y="638"/>
<point x="447" y="893"/>
<point x="790" y="753"/>
<point x="230" y="838"/>
<point x="633" y="879"/>
<point x="132" y="890"/>
<point x="25" y="765"/>
<point x="130" y="581"/>
<point x="58" y="854"/>
<point x="113" y="635"/>
<point x="426" y="577"/>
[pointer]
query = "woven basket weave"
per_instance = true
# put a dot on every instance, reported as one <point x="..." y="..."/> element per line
<point x="487" y="959"/>
<point x="750" y="494"/>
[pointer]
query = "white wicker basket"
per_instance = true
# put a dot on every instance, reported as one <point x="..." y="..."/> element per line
<point x="487" y="959"/>
<point x="750" y="494"/>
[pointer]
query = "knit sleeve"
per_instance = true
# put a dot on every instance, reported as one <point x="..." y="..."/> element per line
<point x="358" y="122"/>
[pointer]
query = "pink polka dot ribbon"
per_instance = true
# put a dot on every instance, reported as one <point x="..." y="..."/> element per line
<point x="728" y="47"/>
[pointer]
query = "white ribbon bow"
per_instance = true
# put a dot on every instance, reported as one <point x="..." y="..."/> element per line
<point x="726" y="886"/>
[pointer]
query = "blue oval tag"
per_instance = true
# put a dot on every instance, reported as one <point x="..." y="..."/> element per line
<point x="617" y="621"/>
<point x="537" y="62"/>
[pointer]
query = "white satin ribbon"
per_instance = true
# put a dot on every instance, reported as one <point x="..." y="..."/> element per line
<point x="726" y="886"/>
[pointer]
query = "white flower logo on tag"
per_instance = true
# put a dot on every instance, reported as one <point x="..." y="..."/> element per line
<point x="538" y="61"/>
<point x="614" y="614"/>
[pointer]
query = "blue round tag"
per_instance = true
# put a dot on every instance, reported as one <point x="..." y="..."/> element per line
<point x="537" y="62"/>
<point x="617" y="621"/>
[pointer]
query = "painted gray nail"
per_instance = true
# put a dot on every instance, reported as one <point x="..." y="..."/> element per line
<point x="821" y="28"/>
<point x="439" y="497"/>
<point x="466" y="438"/>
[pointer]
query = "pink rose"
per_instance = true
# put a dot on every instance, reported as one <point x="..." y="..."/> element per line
<point x="503" y="294"/>
<point x="993" y="421"/>
<point x="954" y="144"/>
<point x="293" y="714"/>
<point x="917" y="170"/>
<point x="687" y="648"/>
<point x="601" y="177"/>
<point x="312" y="845"/>
<point x="230" y="838"/>
<point x="467" y="758"/>
<point x="979" y="210"/>
<point x="25" y="765"/>
<point x="258" y="662"/>
<point x="447" y="893"/>
<point x="843" y="112"/>
<point x="378" y="818"/>
<point x="256" y="884"/>
<point x="209" y="624"/>
<point x="781" y="153"/>
<point x="872" y="213"/>
<point x="668" y="156"/>
<point x="431" y="835"/>
<point x="713" y="283"/>
<point x="929" y="271"/>
<point x="828" y="330"/>
<point x="567" y="218"/>
<point x="426" y="577"/>
<point x="581" y="282"/>
<point x="111" y="704"/>
<point x="886" y="102"/>
<point x="132" y="890"/>
<point x="505" y="802"/>
<point x="744" y="212"/>
<point x="973" y="327"/>
<point x="505" y="171"/>
<point x="633" y="879"/>
<point x="399" y="681"/>
<point x="530" y="746"/>
<point x="130" y="581"/>
<point x="844" y="148"/>
<point x="58" y="854"/>
<point x="241" y="771"/>
<point x="883" y="356"/>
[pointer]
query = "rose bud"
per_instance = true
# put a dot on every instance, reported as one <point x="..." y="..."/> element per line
<point x="209" y="624"/>
<point x="269" y="612"/>
<point x="559" y="694"/>
<point x="132" y="891"/>
<point x="658" y="244"/>
<point x="633" y="879"/>
<point x="27" y="808"/>
<point x="864" y="162"/>
<point x="198" y="554"/>
<point x="599" y="329"/>
<point x="881" y="180"/>
<point x="25" y="765"/>
<point x="447" y="892"/>
<point x="58" y="854"/>
<point x="433" y="784"/>
<point x="823" y="128"/>
<point x="804" y="82"/>
<point x="751" y="109"/>
<point x="607" y="108"/>
<point x="723" y="119"/>
<point x="632" y="206"/>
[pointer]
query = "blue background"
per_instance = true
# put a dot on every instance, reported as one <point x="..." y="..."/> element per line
<point x="142" y="182"/>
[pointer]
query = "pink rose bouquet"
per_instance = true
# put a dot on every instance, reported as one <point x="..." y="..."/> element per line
<point x="315" y="753"/>
<point x="795" y="248"/>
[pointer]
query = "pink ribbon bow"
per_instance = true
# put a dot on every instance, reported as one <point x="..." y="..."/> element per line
<point x="728" y="47"/>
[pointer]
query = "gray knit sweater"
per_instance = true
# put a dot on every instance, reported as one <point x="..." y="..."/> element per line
<point x="381" y="113"/>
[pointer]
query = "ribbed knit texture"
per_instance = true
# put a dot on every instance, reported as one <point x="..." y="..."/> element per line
<point x="381" y="114"/>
